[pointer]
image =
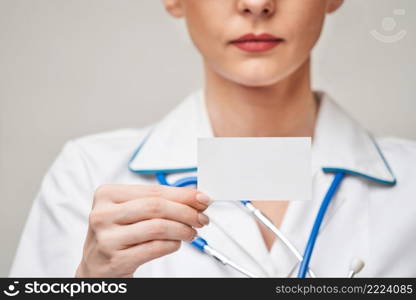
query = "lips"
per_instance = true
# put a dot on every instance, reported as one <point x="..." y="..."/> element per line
<point x="257" y="43"/>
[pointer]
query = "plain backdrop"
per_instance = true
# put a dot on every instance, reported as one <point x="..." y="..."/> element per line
<point x="75" y="67"/>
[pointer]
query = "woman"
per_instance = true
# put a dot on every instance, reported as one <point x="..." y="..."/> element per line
<point x="256" y="56"/>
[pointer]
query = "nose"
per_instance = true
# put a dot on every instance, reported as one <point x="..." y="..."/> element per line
<point x="257" y="8"/>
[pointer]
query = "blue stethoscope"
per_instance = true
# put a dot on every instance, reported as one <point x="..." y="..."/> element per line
<point x="203" y="246"/>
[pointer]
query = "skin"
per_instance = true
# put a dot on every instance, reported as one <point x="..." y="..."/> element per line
<point x="247" y="94"/>
<point x="130" y="225"/>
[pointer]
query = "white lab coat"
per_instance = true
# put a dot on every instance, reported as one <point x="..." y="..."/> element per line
<point x="372" y="217"/>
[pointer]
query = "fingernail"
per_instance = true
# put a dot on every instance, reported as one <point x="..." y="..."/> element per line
<point x="204" y="199"/>
<point x="203" y="219"/>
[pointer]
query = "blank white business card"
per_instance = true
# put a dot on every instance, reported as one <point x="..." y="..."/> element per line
<point x="255" y="168"/>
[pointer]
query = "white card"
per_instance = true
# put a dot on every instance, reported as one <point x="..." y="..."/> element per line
<point x="255" y="168"/>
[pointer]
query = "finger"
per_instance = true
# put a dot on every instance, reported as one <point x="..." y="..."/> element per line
<point x="123" y="193"/>
<point x="143" y="253"/>
<point x="187" y="196"/>
<point x="158" y="208"/>
<point x="155" y="229"/>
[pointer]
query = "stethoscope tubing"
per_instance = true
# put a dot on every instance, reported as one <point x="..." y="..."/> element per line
<point x="269" y="225"/>
<point x="304" y="260"/>
<point x="304" y="265"/>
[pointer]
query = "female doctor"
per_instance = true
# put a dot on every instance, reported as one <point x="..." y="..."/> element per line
<point x="101" y="211"/>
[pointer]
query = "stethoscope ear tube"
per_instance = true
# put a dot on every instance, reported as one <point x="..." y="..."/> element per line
<point x="269" y="225"/>
<point x="202" y="245"/>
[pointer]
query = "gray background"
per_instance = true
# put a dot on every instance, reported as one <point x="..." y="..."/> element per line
<point x="75" y="67"/>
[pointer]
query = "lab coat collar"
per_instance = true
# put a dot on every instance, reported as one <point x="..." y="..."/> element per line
<point x="340" y="143"/>
<point x="171" y="146"/>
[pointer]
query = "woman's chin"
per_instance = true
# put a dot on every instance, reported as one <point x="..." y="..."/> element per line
<point x="257" y="75"/>
<point x="254" y="80"/>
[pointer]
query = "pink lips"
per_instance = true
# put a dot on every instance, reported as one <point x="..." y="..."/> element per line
<point x="257" y="43"/>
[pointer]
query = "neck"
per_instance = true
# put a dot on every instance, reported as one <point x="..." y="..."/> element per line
<point x="287" y="108"/>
